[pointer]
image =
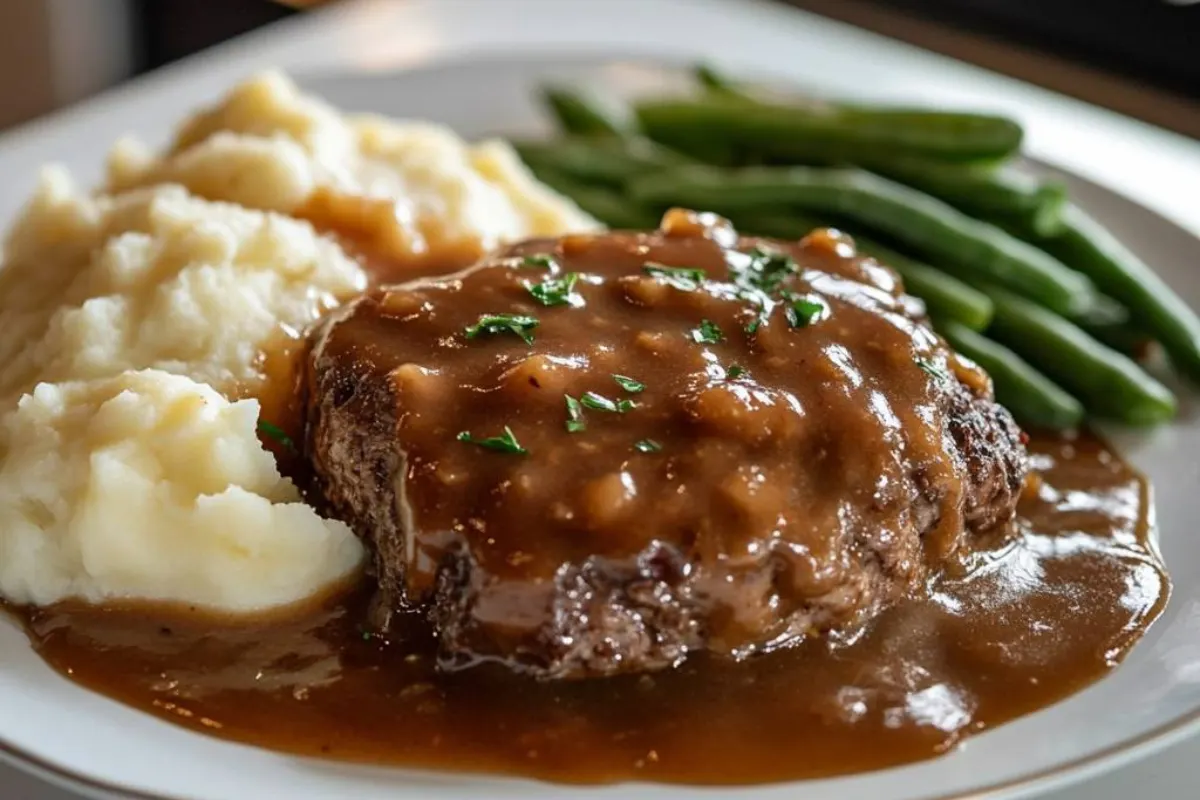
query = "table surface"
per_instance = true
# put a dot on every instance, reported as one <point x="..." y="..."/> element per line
<point x="1159" y="169"/>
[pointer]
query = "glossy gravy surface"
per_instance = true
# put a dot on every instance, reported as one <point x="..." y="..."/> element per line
<point x="666" y="442"/>
<point x="1033" y="622"/>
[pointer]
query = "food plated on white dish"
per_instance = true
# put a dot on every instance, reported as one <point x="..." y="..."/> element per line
<point x="355" y="441"/>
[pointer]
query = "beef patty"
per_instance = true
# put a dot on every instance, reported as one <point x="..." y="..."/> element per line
<point x="597" y="454"/>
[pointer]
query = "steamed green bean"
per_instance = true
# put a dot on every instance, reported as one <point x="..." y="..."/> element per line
<point x="828" y="132"/>
<point x="1033" y="399"/>
<point x="578" y="114"/>
<point x="925" y="225"/>
<point x="1108" y="383"/>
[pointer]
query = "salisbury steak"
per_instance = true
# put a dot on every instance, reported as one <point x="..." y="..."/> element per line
<point x="593" y="455"/>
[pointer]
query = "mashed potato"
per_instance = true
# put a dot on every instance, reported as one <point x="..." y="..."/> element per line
<point x="117" y="482"/>
<point x="133" y="320"/>
<point x="156" y="279"/>
<point x="417" y="186"/>
<point x="154" y="486"/>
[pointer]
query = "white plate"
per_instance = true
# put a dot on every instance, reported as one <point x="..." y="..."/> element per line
<point x="71" y="735"/>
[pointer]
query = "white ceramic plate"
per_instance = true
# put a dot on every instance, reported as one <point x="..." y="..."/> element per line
<point x="71" y="735"/>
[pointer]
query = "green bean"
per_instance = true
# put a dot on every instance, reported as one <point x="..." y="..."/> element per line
<point x="945" y="296"/>
<point x="1104" y="313"/>
<point x="716" y="83"/>
<point x="980" y="191"/>
<point x="1085" y="245"/>
<point x="1108" y="322"/>
<point x="578" y="115"/>
<point x="608" y="206"/>
<point x="790" y="227"/>
<point x="828" y="132"/>
<point x="1108" y="383"/>
<point x="951" y="240"/>
<point x="1123" y="337"/>
<point x="1033" y="399"/>
<point x="610" y="162"/>
<point x="724" y="87"/>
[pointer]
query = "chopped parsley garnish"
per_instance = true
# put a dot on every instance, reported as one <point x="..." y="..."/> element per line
<point x="932" y="369"/>
<point x="803" y="311"/>
<point x="599" y="402"/>
<point x="629" y="384"/>
<point x="504" y="323"/>
<point x="647" y="446"/>
<point x="687" y="279"/>
<point x="555" y="291"/>
<point x="506" y="443"/>
<point x="734" y="372"/>
<point x="759" y="278"/>
<point x="707" y="333"/>
<point x="765" y="271"/>
<point x="575" y="421"/>
<point x="276" y="434"/>
<point x="540" y="260"/>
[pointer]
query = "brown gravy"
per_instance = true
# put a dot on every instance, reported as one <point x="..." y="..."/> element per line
<point x="365" y="228"/>
<point x="753" y="479"/>
<point x="1031" y="624"/>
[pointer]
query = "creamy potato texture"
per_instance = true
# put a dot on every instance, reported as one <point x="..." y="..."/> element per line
<point x="118" y="479"/>
<point x="417" y="186"/>
<point x="133" y="325"/>
<point x="156" y="278"/>
<point x="153" y="485"/>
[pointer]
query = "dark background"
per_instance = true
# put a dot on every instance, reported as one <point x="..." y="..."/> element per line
<point x="1138" y="57"/>
<point x="1156" y="42"/>
<point x="1153" y="41"/>
<point x="171" y="29"/>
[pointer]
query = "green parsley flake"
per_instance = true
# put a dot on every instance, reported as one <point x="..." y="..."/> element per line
<point x="506" y="443"/>
<point x="575" y="420"/>
<point x="765" y="270"/>
<point x="687" y="279"/>
<point x="599" y="402"/>
<point x="629" y="384"/>
<point x="734" y="372"/>
<point x="707" y="333"/>
<point x="759" y="278"/>
<point x="539" y="260"/>
<point x="276" y="434"/>
<point x="647" y="446"/>
<point x="556" y="291"/>
<point x="932" y="369"/>
<point x="804" y="311"/>
<point x="504" y="323"/>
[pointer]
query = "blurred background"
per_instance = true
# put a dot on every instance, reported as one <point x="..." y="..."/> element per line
<point x="1139" y="57"/>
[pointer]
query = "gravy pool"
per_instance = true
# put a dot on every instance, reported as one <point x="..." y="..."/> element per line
<point x="1032" y="623"/>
